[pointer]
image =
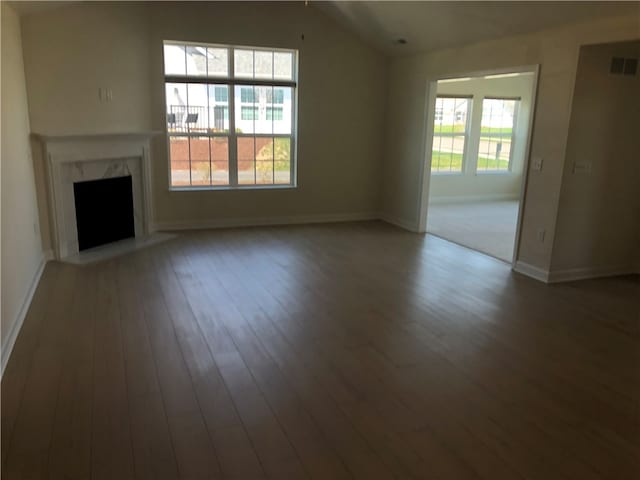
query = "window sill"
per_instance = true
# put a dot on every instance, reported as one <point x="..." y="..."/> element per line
<point x="447" y="174"/>
<point x="232" y="188"/>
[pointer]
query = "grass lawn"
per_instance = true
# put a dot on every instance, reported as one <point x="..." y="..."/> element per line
<point x="448" y="129"/>
<point x="445" y="162"/>
<point x="485" y="163"/>
<point x="507" y="132"/>
<point x="502" y="131"/>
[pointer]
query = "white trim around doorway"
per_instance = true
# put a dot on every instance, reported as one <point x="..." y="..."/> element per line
<point x="427" y="141"/>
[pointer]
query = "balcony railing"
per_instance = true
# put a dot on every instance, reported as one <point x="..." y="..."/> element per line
<point x="183" y="119"/>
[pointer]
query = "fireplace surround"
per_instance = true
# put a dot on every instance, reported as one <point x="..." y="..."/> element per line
<point x="79" y="158"/>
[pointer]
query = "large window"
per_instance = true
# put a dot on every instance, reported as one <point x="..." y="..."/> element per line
<point x="230" y="115"/>
<point x="496" y="134"/>
<point x="450" y="132"/>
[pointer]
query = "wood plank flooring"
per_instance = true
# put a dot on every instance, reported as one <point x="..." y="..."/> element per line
<point x="341" y="351"/>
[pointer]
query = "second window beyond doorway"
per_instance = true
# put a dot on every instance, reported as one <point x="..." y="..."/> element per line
<point x="492" y="138"/>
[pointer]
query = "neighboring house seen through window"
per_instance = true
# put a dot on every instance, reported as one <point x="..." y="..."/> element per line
<point x="450" y="132"/>
<point x="208" y="146"/>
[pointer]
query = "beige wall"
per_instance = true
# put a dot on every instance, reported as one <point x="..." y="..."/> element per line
<point x="557" y="53"/>
<point x="342" y="97"/>
<point x="599" y="212"/>
<point x="21" y="247"/>
<point x="71" y="52"/>
<point x="470" y="184"/>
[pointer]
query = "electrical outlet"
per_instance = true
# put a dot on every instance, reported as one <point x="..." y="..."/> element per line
<point x="582" y="168"/>
<point x="540" y="234"/>
<point x="536" y="164"/>
<point x="105" y="94"/>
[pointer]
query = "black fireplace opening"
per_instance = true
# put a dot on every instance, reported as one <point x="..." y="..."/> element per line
<point x="104" y="211"/>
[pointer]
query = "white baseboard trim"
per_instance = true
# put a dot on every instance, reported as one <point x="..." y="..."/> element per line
<point x="572" y="274"/>
<point x="399" y="222"/>
<point x="259" y="221"/>
<point x="438" y="200"/>
<point x="531" y="271"/>
<point x="7" y="347"/>
<point x="291" y="220"/>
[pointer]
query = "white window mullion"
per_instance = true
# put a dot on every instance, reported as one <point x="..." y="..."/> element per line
<point x="512" y="139"/>
<point x="233" y="141"/>
<point x="293" y="137"/>
<point x="187" y="126"/>
<point x="254" y="113"/>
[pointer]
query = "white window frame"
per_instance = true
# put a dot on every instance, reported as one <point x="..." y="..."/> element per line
<point x="467" y="129"/>
<point x="231" y="81"/>
<point x="516" y="108"/>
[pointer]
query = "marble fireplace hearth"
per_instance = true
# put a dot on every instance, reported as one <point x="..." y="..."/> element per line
<point x="78" y="158"/>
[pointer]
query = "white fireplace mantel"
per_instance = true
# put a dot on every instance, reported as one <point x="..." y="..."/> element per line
<point x="76" y="158"/>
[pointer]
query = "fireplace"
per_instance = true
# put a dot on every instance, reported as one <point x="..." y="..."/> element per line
<point x="104" y="211"/>
<point x="80" y="167"/>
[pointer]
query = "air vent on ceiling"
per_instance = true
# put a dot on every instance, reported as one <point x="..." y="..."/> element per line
<point x="624" y="66"/>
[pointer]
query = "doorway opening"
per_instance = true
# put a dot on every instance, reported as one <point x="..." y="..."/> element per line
<point x="477" y="152"/>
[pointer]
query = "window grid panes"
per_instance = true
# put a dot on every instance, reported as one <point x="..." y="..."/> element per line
<point x="496" y="134"/>
<point x="229" y="134"/>
<point x="450" y="132"/>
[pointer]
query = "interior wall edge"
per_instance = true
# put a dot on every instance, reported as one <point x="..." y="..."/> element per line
<point x="16" y="324"/>
<point x="405" y="224"/>
<point x="531" y="271"/>
<point x="22" y="251"/>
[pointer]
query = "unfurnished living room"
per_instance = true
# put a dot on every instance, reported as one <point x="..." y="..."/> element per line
<point x="320" y="240"/>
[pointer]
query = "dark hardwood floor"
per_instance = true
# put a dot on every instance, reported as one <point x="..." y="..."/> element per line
<point x="327" y="352"/>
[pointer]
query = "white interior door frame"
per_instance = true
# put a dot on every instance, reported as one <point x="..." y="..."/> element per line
<point x="429" y="116"/>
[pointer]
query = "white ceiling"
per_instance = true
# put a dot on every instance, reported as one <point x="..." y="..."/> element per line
<point x="434" y="25"/>
<point x="27" y="7"/>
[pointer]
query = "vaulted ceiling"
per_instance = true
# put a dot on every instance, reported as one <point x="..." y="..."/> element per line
<point x="434" y="25"/>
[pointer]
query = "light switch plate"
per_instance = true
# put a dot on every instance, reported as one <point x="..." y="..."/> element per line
<point x="582" y="167"/>
<point x="536" y="164"/>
